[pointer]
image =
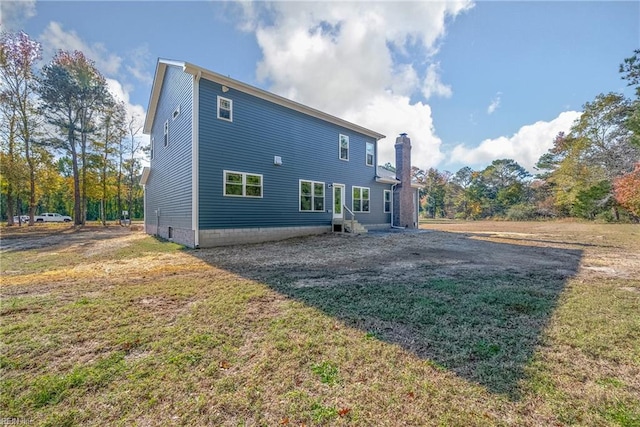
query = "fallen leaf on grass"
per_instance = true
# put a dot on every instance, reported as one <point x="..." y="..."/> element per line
<point x="344" y="411"/>
<point x="224" y="364"/>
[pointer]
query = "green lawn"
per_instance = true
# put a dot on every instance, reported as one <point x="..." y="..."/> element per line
<point x="124" y="329"/>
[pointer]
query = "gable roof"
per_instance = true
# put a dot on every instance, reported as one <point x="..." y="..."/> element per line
<point x="195" y="70"/>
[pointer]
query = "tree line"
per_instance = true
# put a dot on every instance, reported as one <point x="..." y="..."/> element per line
<point x="66" y="144"/>
<point x="591" y="172"/>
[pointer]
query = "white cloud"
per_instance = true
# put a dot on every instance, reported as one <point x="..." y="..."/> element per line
<point x="495" y="103"/>
<point x="140" y="58"/>
<point x="350" y="59"/>
<point x="13" y="14"/>
<point x="432" y="84"/>
<point x="55" y="37"/>
<point x="394" y="115"/>
<point x="135" y="111"/>
<point x="525" y="146"/>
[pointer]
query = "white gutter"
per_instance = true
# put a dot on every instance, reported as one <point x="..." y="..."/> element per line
<point x="195" y="175"/>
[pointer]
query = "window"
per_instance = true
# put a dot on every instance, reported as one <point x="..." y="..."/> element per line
<point x="387" y="201"/>
<point x="165" y="138"/>
<point x="151" y="148"/>
<point x="369" y="154"/>
<point x="360" y="199"/>
<point x="176" y="112"/>
<point x="311" y="196"/>
<point x="225" y="109"/>
<point x="344" y="147"/>
<point x="241" y="184"/>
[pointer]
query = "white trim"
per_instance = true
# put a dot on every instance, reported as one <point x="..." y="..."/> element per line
<point x="242" y="87"/>
<point x="344" y="194"/>
<point x="195" y="160"/>
<point x="313" y="196"/>
<point x="384" y="192"/>
<point x="366" y="154"/>
<point x="346" y="137"/>
<point x="353" y="187"/>
<point x="144" y="178"/>
<point x="244" y="184"/>
<point x="230" y="101"/>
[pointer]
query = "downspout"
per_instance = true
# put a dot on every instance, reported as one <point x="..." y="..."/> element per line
<point x="393" y="187"/>
<point x="195" y="160"/>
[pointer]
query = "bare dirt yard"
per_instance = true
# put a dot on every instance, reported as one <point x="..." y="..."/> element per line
<point x="458" y="323"/>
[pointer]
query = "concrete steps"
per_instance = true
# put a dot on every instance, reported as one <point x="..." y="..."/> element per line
<point x="345" y="225"/>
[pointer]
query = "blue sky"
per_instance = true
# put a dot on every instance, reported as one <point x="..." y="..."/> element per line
<point x="469" y="82"/>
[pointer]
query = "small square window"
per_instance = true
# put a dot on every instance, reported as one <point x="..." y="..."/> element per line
<point x="225" y="109"/>
<point x="176" y="112"/>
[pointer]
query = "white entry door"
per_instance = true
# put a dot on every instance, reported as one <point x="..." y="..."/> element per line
<point x="338" y="201"/>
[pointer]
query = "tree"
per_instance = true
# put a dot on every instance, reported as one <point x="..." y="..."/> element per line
<point x="133" y="164"/>
<point x="72" y="91"/>
<point x="113" y="130"/>
<point x="630" y="68"/>
<point x="597" y="149"/>
<point x="627" y="191"/>
<point x="18" y="54"/>
<point x="631" y="72"/>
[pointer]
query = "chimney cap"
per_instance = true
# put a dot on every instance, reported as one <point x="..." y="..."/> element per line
<point x="403" y="134"/>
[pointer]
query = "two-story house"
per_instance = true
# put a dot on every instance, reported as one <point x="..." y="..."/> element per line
<point x="231" y="163"/>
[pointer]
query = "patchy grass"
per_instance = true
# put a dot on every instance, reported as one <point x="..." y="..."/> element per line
<point x="484" y="324"/>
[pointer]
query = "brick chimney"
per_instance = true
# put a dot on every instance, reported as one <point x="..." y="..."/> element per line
<point x="403" y="194"/>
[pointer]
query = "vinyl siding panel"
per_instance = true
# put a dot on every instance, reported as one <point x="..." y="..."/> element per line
<point x="309" y="150"/>
<point x="169" y="185"/>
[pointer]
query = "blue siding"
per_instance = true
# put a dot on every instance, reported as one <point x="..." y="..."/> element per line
<point x="261" y="130"/>
<point x="169" y="184"/>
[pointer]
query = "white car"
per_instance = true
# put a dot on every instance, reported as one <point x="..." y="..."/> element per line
<point x="22" y="218"/>
<point x="51" y="217"/>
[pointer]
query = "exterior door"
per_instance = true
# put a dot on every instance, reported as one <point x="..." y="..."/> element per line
<point x="338" y="201"/>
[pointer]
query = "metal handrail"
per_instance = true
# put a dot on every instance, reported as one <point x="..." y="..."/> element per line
<point x="353" y="216"/>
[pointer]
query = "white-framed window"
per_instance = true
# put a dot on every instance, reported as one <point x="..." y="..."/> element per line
<point x="242" y="184"/>
<point x="387" y="201"/>
<point x="151" y="148"/>
<point x="165" y="137"/>
<point x="369" y="154"/>
<point x="176" y="113"/>
<point x="225" y="109"/>
<point x="344" y="147"/>
<point x="360" y="199"/>
<point x="311" y="196"/>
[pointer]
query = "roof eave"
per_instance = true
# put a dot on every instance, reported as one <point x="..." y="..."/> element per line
<point x="158" y="78"/>
<point x="277" y="99"/>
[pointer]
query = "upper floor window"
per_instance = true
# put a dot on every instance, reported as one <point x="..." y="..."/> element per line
<point x="165" y="137"/>
<point x="344" y="147"/>
<point x="225" y="109"/>
<point x="370" y="153"/>
<point x="176" y="113"/>
<point x="311" y="196"/>
<point x="387" y="201"/>
<point x="360" y="199"/>
<point x="241" y="184"/>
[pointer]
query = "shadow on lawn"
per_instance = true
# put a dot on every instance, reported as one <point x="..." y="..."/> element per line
<point x="472" y="306"/>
